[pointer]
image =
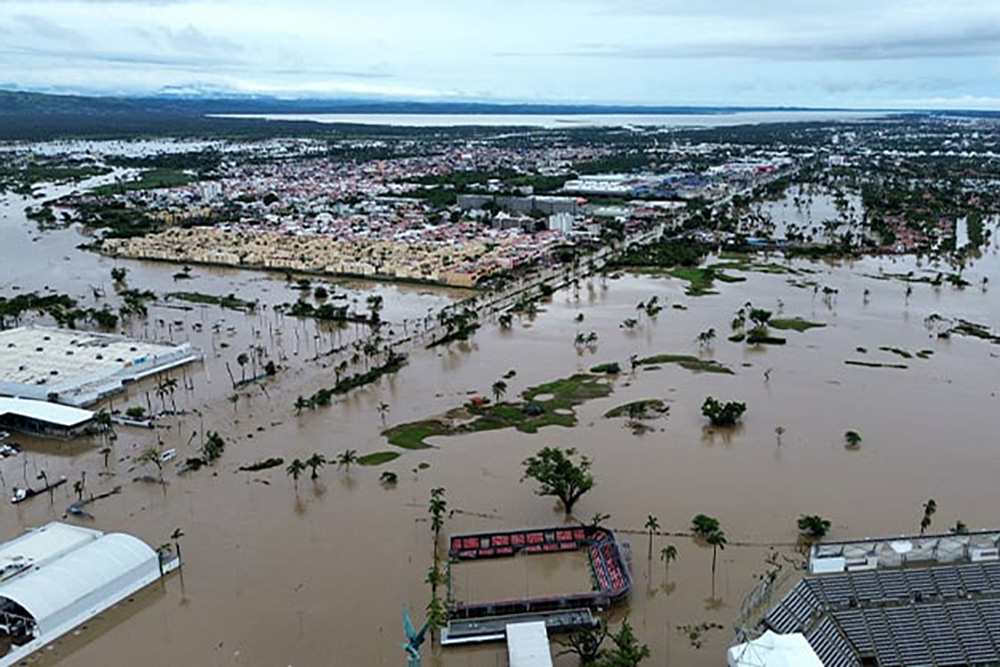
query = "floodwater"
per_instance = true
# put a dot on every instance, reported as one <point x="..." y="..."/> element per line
<point x="566" y="121"/>
<point x="318" y="573"/>
<point x="521" y="577"/>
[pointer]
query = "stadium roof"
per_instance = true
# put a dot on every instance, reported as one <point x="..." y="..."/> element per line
<point x="943" y="615"/>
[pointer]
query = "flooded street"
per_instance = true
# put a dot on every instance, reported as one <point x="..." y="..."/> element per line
<point x="318" y="573"/>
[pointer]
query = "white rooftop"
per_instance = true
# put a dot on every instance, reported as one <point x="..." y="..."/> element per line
<point x="43" y="411"/>
<point x="79" y="367"/>
<point x="42" y="545"/>
<point x="528" y="645"/>
<point x="774" y="650"/>
<point x="29" y="355"/>
<point x="59" y="576"/>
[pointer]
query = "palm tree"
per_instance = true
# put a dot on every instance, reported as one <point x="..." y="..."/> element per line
<point x="852" y="439"/>
<point x="437" y="507"/>
<point x="170" y="385"/>
<point x="152" y="455"/>
<point x="652" y="525"/>
<point x="314" y="462"/>
<point x="295" y="469"/>
<point x="301" y="404"/>
<point x="930" y="508"/>
<point x="717" y="540"/>
<point x="176" y="537"/>
<point x="668" y="554"/>
<point x="102" y="419"/>
<point x="242" y="359"/>
<point x="346" y="459"/>
<point x="706" y="338"/>
<point x="505" y="320"/>
<point x="499" y="389"/>
<point x="383" y="410"/>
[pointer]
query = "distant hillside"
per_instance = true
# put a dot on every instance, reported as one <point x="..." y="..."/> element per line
<point x="18" y="102"/>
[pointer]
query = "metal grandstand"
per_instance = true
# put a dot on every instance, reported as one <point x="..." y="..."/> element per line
<point x="940" y="610"/>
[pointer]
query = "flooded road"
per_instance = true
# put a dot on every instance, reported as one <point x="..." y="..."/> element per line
<point x="318" y="573"/>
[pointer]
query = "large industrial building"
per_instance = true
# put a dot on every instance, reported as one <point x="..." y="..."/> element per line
<point x="58" y="576"/>
<point x="926" y="600"/>
<point x="79" y="368"/>
<point x="43" y="418"/>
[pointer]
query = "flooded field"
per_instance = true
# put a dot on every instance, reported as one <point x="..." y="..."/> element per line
<point x="318" y="572"/>
<point x="521" y="577"/>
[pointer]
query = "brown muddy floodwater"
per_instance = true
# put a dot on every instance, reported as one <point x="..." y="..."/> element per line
<point x="318" y="575"/>
<point x="521" y="577"/>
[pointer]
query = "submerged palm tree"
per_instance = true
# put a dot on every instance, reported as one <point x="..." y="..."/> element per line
<point x="295" y="469"/>
<point x="652" y="525"/>
<point x="347" y="458"/>
<point x="315" y="462"/>
<point x="668" y="554"/>
<point x="499" y="388"/>
<point x="176" y="537"/>
<point x="717" y="540"/>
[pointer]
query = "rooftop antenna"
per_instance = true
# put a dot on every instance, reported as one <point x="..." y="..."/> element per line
<point x="414" y="640"/>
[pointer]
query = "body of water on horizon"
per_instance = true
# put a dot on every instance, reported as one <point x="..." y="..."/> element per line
<point x="556" y="121"/>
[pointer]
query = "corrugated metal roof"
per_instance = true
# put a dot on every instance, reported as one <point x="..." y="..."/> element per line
<point x="528" y="645"/>
<point x="50" y="413"/>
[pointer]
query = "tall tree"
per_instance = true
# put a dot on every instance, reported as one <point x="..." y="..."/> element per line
<point x="499" y="388"/>
<point x="558" y="475"/>
<point x="295" y="469"/>
<point x="652" y="525"/>
<point x="667" y="555"/>
<point x="315" y="462"/>
<point x="717" y="541"/>
<point x="930" y="508"/>
<point x="346" y="459"/>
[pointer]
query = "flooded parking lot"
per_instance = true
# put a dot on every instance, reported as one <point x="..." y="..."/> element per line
<point x="318" y="572"/>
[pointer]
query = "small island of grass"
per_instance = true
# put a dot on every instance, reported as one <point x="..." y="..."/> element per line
<point x="794" y="324"/>
<point x="686" y="362"/>
<point x="544" y="405"/>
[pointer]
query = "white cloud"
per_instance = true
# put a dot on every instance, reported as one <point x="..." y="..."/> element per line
<point x="845" y="53"/>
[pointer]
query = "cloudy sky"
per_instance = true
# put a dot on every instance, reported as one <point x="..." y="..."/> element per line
<point x="847" y="53"/>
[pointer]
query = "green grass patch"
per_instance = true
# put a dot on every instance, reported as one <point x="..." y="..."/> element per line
<point x="762" y="337"/>
<point x="640" y="408"/>
<point x="794" y="324"/>
<point x="925" y="354"/>
<point x="412" y="435"/>
<point x="737" y="338"/>
<point x="753" y="267"/>
<point x="897" y="351"/>
<point x="262" y="465"/>
<point x="975" y="330"/>
<point x="612" y="368"/>
<point x="873" y="364"/>
<point x="687" y="362"/>
<point x="378" y="458"/>
<point x="549" y="404"/>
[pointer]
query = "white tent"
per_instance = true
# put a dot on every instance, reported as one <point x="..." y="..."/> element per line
<point x="773" y="650"/>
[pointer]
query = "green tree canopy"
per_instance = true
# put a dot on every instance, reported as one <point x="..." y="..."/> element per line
<point x="558" y="475"/>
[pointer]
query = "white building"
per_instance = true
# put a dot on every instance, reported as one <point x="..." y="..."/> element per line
<point x="58" y="576"/>
<point x="561" y="222"/>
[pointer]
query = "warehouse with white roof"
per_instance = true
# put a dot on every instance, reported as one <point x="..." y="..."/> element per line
<point x="58" y="576"/>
